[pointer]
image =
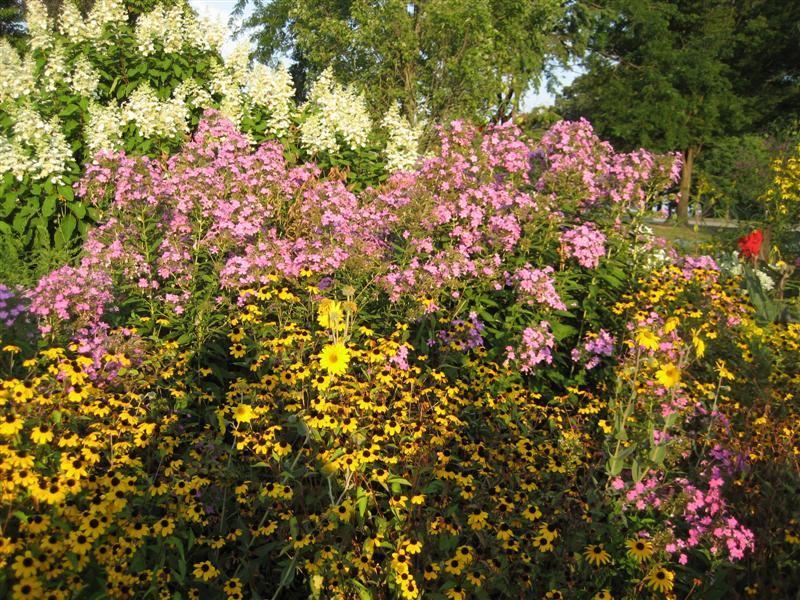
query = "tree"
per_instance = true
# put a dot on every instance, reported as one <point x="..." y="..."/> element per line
<point x="656" y="77"/>
<point x="440" y="59"/>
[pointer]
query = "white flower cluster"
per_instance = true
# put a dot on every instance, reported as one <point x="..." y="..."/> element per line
<point x="104" y="131"/>
<point x="238" y="62"/>
<point x="273" y="89"/>
<point x="79" y="29"/>
<point x="51" y="152"/>
<point x="155" y="118"/>
<point x="84" y="78"/>
<point x="732" y="265"/>
<point x="17" y="75"/>
<point x="176" y="27"/>
<point x="55" y="68"/>
<point x="40" y="26"/>
<point x="334" y="109"/>
<point x="194" y="95"/>
<point x="13" y="159"/>
<point x="224" y="84"/>
<point x="402" y="147"/>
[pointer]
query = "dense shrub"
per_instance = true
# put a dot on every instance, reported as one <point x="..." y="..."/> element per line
<point x="480" y="379"/>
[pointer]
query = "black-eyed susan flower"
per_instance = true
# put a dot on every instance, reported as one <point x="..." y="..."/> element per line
<point x="660" y="580"/>
<point x="477" y="520"/>
<point x="431" y="572"/>
<point x="25" y="565"/>
<point x="454" y="566"/>
<point x="603" y="595"/>
<point x="456" y="593"/>
<point x="41" y="434"/>
<point x="597" y="555"/>
<point x="639" y="549"/>
<point x="28" y="588"/>
<point x="205" y="571"/>
<point x="164" y="527"/>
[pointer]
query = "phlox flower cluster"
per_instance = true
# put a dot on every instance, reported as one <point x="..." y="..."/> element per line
<point x="585" y="243"/>
<point x="12" y="306"/>
<point x="536" y="286"/>
<point x="461" y="334"/>
<point x="535" y="347"/>
<point x="577" y="163"/>
<point x="595" y="346"/>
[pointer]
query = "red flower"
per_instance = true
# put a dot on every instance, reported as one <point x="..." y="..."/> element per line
<point x="750" y="244"/>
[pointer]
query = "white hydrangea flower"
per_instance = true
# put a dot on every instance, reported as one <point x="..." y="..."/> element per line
<point x="273" y="89"/>
<point x="193" y="94"/>
<point x="317" y="135"/>
<point x="40" y="26"/>
<point x="337" y="109"/>
<point x="402" y="147"/>
<point x="84" y="78"/>
<point x="206" y="33"/>
<point x="223" y="83"/>
<point x="174" y="32"/>
<point x="105" y="12"/>
<point x="155" y="118"/>
<point x="13" y="159"/>
<point x="29" y="127"/>
<point x="71" y="23"/>
<point x="104" y="131"/>
<point x="238" y="62"/>
<point x="149" y="27"/>
<point x="53" y="153"/>
<point x="18" y="75"/>
<point x="55" y="69"/>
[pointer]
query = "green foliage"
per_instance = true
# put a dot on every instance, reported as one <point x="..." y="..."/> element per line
<point x="441" y="60"/>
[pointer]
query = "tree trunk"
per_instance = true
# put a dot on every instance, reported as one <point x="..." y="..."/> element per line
<point x="686" y="186"/>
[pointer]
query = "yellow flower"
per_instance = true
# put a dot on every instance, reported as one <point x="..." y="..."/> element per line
<point x="244" y="413"/>
<point x="639" y="550"/>
<point x="647" y="339"/>
<point x="660" y="580"/>
<point x="331" y="314"/>
<point x="334" y="358"/>
<point x="205" y="571"/>
<point x="723" y="371"/>
<point x="596" y="554"/>
<point x="669" y="375"/>
<point x="603" y="595"/>
<point x="41" y="434"/>
<point x="10" y="425"/>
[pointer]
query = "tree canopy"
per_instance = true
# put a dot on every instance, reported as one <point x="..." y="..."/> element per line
<point x="440" y="59"/>
<point x="682" y="73"/>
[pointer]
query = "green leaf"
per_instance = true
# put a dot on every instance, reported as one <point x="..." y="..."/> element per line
<point x="48" y="206"/>
<point x="66" y="228"/>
